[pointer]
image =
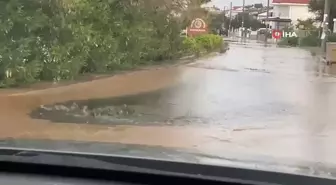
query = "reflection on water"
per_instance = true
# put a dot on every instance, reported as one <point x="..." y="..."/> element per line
<point x="178" y="105"/>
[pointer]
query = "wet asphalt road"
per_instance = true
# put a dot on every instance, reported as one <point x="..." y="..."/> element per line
<point x="252" y="101"/>
<point x="251" y="85"/>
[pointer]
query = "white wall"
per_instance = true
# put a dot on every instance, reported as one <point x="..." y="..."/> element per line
<point x="292" y="11"/>
<point x="300" y="12"/>
<point x="282" y="11"/>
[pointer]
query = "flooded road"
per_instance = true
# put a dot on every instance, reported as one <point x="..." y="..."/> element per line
<point x="250" y="101"/>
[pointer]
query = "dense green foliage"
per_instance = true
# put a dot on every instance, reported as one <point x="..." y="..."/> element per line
<point x="249" y="22"/>
<point x="331" y="37"/>
<point x="289" y="41"/>
<point x="216" y="21"/>
<point x="60" y="39"/>
<point x="306" y="38"/>
<point x="317" y="7"/>
<point x="308" y="34"/>
<point x="306" y="24"/>
<point x="311" y="40"/>
<point x="202" y="44"/>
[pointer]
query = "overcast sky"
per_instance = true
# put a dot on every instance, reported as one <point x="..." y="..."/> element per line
<point x="221" y="3"/>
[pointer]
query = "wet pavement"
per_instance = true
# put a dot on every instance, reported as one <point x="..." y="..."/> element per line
<point x="251" y="101"/>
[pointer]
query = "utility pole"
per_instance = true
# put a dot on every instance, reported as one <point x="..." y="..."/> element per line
<point x="222" y="29"/>
<point x="242" y="26"/>
<point x="224" y="9"/>
<point x="243" y="13"/>
<point x="267" y="21"/>
<point x="224" y="17"/>
<point x="326" y="18"/>
<point x="230" y="17"/>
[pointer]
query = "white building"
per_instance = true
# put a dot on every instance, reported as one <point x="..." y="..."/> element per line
<point x="291" y="9"/>
<point x="234" y="11"/>
<point x="263" y="15"/>
<point x="213" y="9"/>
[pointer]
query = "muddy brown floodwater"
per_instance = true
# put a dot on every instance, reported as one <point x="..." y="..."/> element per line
<point x="253" y="100"/>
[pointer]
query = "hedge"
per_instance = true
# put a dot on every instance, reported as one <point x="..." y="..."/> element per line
<point x="332" y="37"/>
<point x="289" y="41"/>
<point x="203" y="43"/>
<point x="61" y="39"/>
<point x="311" y="40"/>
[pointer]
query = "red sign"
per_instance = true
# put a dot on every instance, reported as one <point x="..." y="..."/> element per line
<point x="276" y="34"/>
<point x="197" y="27"/>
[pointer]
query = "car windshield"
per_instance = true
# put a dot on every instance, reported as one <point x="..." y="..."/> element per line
<point x="184" y="80"/>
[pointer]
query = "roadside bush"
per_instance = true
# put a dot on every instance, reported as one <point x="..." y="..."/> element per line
<point x="311" y="40"/>
<point x="289" y="41"/>
<point x="332" y="37"/>
<point x="209" y="42"/>
<point x="224" y="47"/>
<point x="305" y="39"/>
<point x="203" y="43"/>
<point x="58" y="39"/>
<point x="191" y="46"/>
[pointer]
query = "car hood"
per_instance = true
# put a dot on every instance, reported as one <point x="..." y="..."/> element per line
<point x="230" y="159"/>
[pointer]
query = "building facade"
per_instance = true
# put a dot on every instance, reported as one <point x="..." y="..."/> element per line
<point x="291" y="9"/>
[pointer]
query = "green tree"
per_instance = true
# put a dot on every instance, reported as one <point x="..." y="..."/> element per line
<point x="217" y="21"/>
<point x="61" y="39"/>
<point x="317" y="7"/>
<point x="204" y="1"/>
<point x="307" y="24"/>
<point x="58" y="39"/>
<point x="249" y="21"/>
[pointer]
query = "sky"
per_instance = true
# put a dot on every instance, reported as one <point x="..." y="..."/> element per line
<point x="221" y="3"/>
